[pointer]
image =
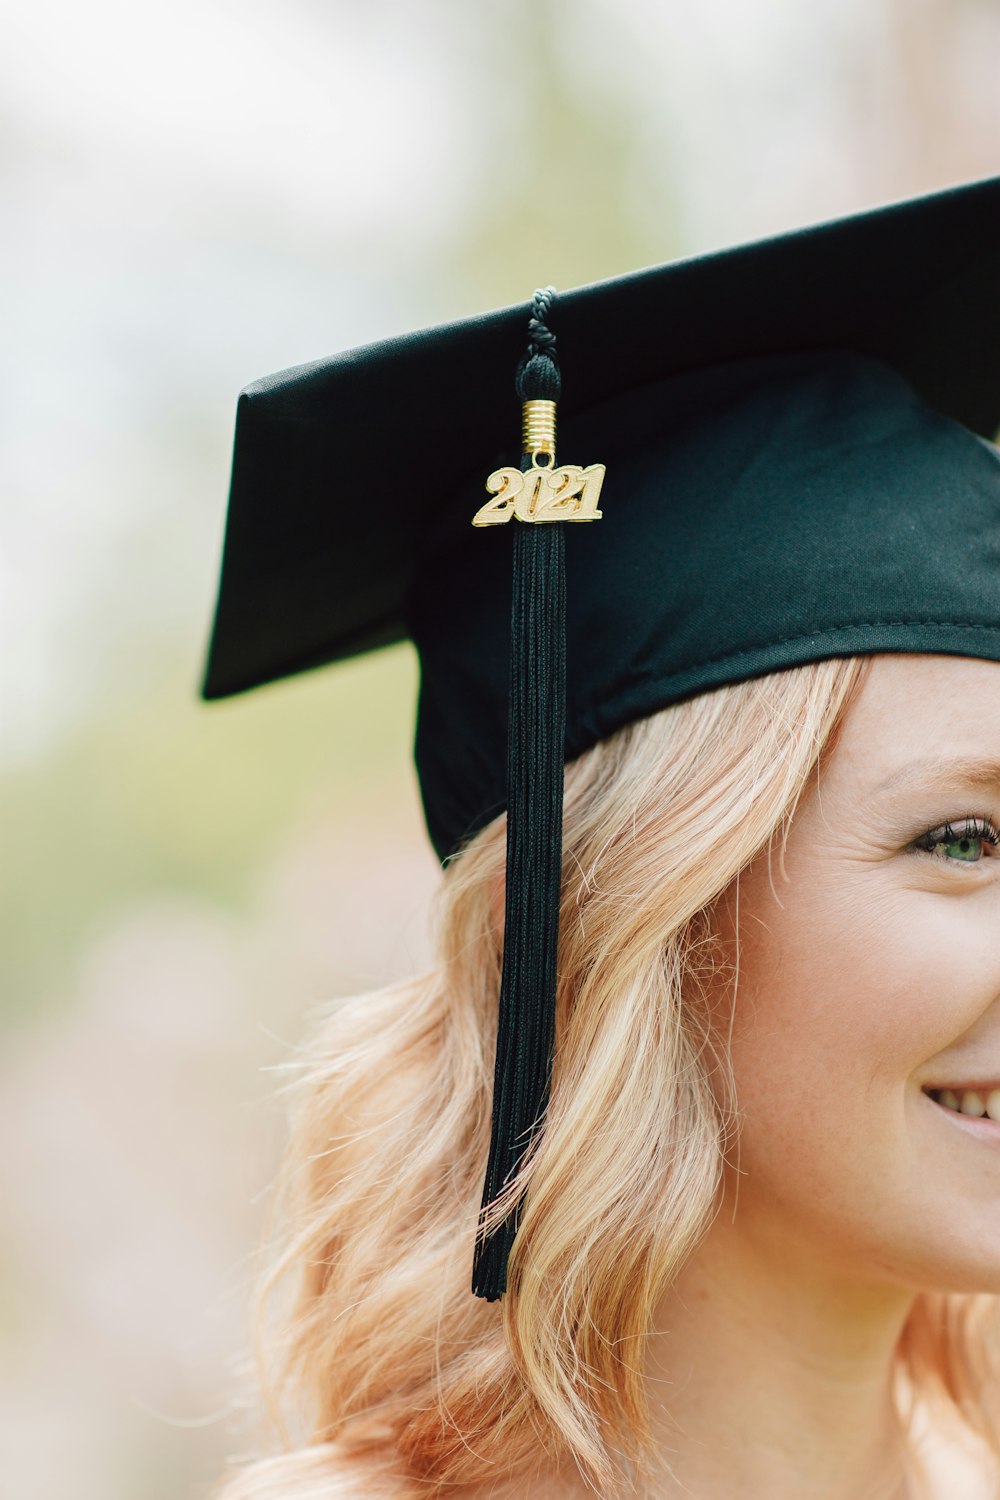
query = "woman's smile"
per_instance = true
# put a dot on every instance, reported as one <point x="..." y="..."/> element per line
<point x="975" y="1099"/>
<point x="968" y="1110"/>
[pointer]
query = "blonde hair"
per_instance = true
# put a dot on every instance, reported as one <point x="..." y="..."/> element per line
<point x="381" y="1361"/>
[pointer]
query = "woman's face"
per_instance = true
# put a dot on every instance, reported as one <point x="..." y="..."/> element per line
<point x="871" y="975"/>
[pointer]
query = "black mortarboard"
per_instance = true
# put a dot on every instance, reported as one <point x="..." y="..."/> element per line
<point x="792" y="432"/>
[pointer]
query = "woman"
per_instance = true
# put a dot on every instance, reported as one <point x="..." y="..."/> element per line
<point x="754" y="1237"/>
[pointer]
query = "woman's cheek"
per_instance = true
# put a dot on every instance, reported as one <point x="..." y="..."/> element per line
<point x="856" y="979"/>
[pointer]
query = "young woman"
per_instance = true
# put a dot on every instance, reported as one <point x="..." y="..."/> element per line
<point x="757" y="1247"/>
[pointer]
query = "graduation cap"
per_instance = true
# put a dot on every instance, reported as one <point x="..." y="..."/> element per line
<point x="794" y="439"/>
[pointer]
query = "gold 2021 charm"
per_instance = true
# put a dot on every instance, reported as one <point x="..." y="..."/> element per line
<point x="542" y="493"/>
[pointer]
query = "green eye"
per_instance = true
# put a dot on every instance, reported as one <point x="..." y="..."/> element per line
<point x="964" y="841"/>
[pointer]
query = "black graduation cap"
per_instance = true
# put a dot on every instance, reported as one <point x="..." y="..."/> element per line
<point x="793" y="437"/>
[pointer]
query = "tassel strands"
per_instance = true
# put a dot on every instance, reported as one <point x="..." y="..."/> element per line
<point x="535" y="756"/>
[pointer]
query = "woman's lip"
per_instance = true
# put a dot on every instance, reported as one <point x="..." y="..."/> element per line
<point x="981" y="1126"/>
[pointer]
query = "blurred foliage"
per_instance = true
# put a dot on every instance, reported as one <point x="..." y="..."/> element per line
<point x="156" y="793"/>
<point x="160" y="792"/>
<point x="563" y="182"/>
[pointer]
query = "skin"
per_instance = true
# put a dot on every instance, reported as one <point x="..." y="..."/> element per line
<point x="869" y="971"/>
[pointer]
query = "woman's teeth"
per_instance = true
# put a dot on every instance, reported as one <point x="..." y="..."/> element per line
<point x="969" y="1101"/>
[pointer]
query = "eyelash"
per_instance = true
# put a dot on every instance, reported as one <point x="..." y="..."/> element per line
<point x="971" y="827"/>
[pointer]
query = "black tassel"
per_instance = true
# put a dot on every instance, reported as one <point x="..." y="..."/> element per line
<point x="535" y="755"/>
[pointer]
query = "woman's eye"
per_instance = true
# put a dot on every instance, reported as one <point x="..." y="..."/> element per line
<point x="961" y="844"/>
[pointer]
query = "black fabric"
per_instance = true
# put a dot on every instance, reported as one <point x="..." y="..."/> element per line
<point x="527" y="1002"/>
<point x="783" y="483"/>
<point x="756" y="516"/>
<point x="340" y="466"/>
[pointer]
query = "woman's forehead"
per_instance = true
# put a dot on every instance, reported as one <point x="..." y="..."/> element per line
<point x="921" y="718"/>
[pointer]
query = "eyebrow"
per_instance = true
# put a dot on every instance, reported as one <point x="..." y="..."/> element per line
<point x="964" y="771"/>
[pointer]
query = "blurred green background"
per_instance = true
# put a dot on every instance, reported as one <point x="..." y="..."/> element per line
<point x="194" y="197"/>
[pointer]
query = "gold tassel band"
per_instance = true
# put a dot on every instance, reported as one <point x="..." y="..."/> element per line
<point x="538" y="428"/>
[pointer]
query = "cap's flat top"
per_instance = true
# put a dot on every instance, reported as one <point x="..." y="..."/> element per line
<point x="343" y="469"/>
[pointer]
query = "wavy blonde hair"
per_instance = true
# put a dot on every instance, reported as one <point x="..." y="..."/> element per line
<point x="376" y="1359"/>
